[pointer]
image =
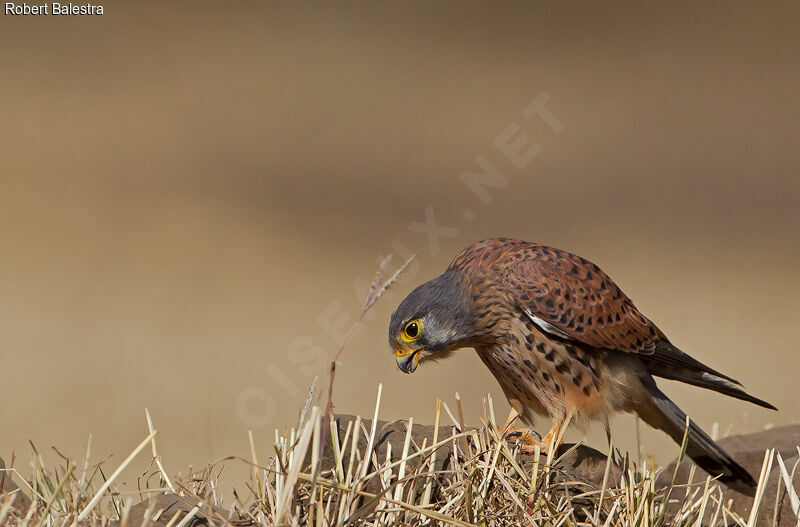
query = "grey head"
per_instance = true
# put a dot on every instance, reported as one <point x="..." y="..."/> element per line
<point x="434" y="319"/>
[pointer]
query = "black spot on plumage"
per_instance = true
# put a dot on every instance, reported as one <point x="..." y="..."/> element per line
<point x="587" y="390"/>
<point x="530" y="365"/>
<point x="562" y="367"/>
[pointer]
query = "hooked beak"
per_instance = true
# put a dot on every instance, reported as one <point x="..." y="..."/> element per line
<point x="407" y="361"/>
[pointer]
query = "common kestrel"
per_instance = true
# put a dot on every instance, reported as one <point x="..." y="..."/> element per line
<point x="562" y="340"/>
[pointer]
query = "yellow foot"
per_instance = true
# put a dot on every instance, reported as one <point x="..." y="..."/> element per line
<point x="530" y="440"/>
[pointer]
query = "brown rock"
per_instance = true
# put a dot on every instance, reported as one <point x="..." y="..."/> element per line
<point x="580" y="464"/>
<point x="166" y="506"/>
<point x="7" y="486"/>
<point x="784" y="438"/>
<point x="748" y="450"/>
<point x="389" y="434"/>
<point x="586" y="465"/>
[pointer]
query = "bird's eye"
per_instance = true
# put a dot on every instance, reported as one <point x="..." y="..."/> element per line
<point x="412" y="330"/>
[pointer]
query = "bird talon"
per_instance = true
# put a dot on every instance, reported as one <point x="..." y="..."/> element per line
<point x="527" y="439"/>
<point x="530" y="448"/>
<point x="529" y="436"/>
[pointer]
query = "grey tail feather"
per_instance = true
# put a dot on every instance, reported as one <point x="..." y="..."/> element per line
<point x="668" y="362"/>
<point x="665" y="415"/>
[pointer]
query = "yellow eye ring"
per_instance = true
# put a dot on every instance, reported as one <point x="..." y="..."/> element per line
<point x="412" y="330"/>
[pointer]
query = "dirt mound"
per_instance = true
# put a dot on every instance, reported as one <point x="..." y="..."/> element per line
<point x="748" y="450"/>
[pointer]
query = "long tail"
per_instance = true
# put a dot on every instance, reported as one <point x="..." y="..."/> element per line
<point x="668" y="362"/>
<point x="660" y="412"/>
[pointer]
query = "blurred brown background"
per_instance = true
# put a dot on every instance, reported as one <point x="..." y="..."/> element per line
<point x="188" y="189"/>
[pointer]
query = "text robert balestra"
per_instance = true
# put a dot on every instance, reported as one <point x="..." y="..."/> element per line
<point x="52" y="8"/>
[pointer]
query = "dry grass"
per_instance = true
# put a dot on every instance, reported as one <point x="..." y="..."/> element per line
<point x="485" y="483"/>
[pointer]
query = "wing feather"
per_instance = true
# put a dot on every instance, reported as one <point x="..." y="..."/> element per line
<point x="573" y="298"/>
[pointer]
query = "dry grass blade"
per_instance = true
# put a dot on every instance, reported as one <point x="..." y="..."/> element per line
<point x="678" y="462"/>
<point x="379" y="286"/>
<point x="376" y="291"/>
<point x="285" y="498"/>
<point x="5" y="506"/>
<point x="787" y="481"/>
<point x="59" y="488"/>
<point x="766" y="468"/>
<point x="156" y="457"/>
<point x="85" y="512"/>
<point x="375" y="288"/>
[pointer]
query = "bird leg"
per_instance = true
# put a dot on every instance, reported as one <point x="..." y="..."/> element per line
<point x="528" y="438"/>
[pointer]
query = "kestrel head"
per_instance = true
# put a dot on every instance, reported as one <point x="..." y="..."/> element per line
<point x="433" y="320"/>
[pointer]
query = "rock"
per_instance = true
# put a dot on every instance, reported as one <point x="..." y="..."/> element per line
<point x="748" y="451"/>
<point x="389" y="434"/>
<point x="581" y="463"/>
<point x="586" y="465"/>
<point x="785" y="439"/>
<point x="165" y="507"/>
<point x="7" y="486"/>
